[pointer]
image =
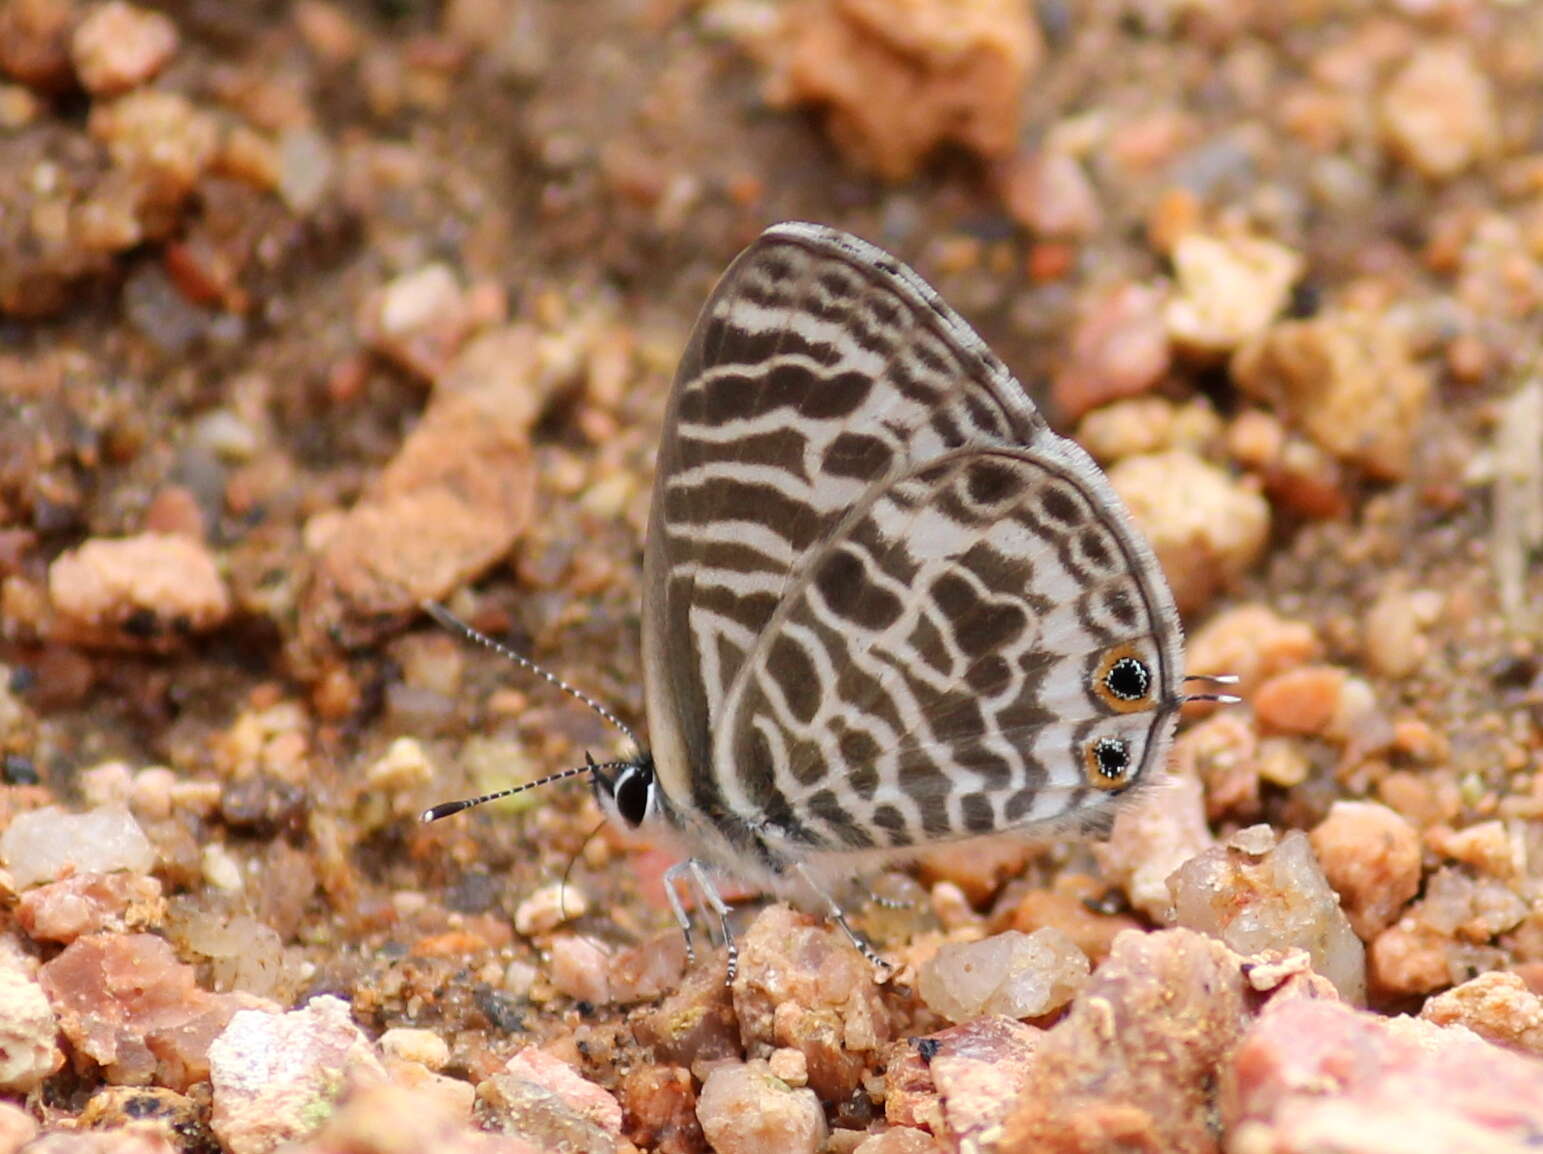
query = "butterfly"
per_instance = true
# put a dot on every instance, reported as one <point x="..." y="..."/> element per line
<point x="884" y="606"/>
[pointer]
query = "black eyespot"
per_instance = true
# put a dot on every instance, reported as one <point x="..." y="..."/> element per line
<point x="1128" y="679"/>
<point x="1113" y="756"/>
<point x="633" y="785"/>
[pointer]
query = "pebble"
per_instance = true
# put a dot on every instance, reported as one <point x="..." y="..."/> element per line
<point x="404" y="767"/>
<point x="275" y="1077"/>
<point x="409" y="1044"/>
<point x="549" y="907"/>
<point x="1071" y="907"/>
<point x="896" y="81"/>
<point x="960" y="1083"/>
<point x="1147" y="425"/>
<point x="803" y="985"/>
<point x="1496" y="1006"/>
<point x="1439" y="113"/>
<point x="1305" y="700"/>
<point x="162" y="135"/>
<point x="1228" y="290"/>
<point x="1259" y="895"/>
<point x="34" y="43"/>
<point x="119" y="46"/>
<point x="48" y="843"/>
<point x="1133" y="1065"/>
<point x="146" y="591"/>
<point x="1153" y="836"/>
<point x="29" y="1032"/>
<point x="1206" y="527"/>
<point x="1252" y="642"/>
<point x="1313" y="1074"/>
<point x="1371" y="857"/>
<point x="17" y="1127"/>
<point x="1393" y="635"/>
<point x="1349" y="379"/>
<point x="90" y="903"/>
<point x="1012" y="974"/>
<point x="418" y="319"/>
<point x="581" y="969"/>
<point x="1118" y="349"/>
<point x="540" y="1118"/>
<point x="127" y="1003"/>
<point x="746" y="1109"/>
<point x="1050" y="195"/>
<point x="583" y="1096"/>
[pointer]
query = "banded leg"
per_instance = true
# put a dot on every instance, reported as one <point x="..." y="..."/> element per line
<point x="836" y="914"/>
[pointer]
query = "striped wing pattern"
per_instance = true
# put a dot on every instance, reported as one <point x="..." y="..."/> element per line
<point x="879" y="590"/>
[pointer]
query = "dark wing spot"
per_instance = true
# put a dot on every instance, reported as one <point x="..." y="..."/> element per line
<point x="795" y="674"/>
<point x="844" y="586"/>
<point x="1060" y="506"/>
<point x="978" y="816"/>
<point x="990" y="483"/>
<point x="1128" y="679"/>
<point x="857" y="455"/>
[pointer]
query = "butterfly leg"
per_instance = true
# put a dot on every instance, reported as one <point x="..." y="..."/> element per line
<point x="710" y="895"/>
<point x="673" y="877"/>
<point x="836" y="914"/>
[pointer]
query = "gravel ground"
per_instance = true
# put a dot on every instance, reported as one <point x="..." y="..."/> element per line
<point x="311" y="310"/>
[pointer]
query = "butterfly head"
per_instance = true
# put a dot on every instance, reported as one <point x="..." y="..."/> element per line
<point x="626" y="791"/>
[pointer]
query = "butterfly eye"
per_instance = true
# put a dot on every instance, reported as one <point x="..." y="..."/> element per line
<point x="1123" y="681"/>
<point x="1108" y="762"/>
<point x="631" y="794"/>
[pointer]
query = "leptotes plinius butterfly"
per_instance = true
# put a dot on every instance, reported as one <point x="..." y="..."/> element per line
<point x="884" y="605"/>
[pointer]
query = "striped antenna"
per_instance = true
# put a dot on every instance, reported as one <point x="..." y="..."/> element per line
<point x="453" y="623"/>
<point x="446" y="808"/>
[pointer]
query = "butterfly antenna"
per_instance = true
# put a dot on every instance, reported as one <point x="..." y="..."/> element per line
<point x="1212" y="679"/>
<point x="562" y="887"/>
<point x="453" y="623"/>
<point x="446" y="808"/>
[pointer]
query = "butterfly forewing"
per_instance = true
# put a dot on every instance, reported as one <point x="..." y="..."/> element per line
<point x="878" y="588"/>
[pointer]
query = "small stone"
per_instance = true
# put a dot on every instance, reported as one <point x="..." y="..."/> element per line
<point x="1393" y="637"/>
<point x="1439" y="112"/>
<point x="1371" y="856"/>
<point x="1133" y="1065"/>
<point x="978" y="869"/>
<point x="48" y="843"/>
<point x="896" y="81"/>
<point x="90" y="903"/>
<point x="1206" y="528"/>
<point x="1313" y="1074"/>
<point x="1118" y="349"/>
<point x="17" y="1127"/>
<point x="1229" y="290"/>
<point x="746" y="1109"/>
<point x="960" y="1082"/>
<point x="899" y="1140"/>
<point x="1496" y="1006"/>
<point x="804" y="986"/>
<point x="1313" y="700"/>
<point x="413" y="1045"/>
<point x="1488" y="846"/>
<point x="1251" y="642"/>
<point x="790" y="1065"/>
<point x="140" y="592"/>
<point x="29" y="1032"/>
<point x="659" y="1109"/>
<point x="583" y="1096"/>
<point x="1152" y="837"/>
<point x="1050" y="194"/>
<point x="276" y="1077"/>
<point x="1349" y="380"/>
<point x="35" y="43"/>
<point x="1014" y="975"/>
<point x="126" y="1002"/>
<point x="404" y="767"/>
<point x="1147" y="425"/>
<point x="549" y="907"/>
<point x="418" y="319"/>
<point x="1260" y="897"/>
<point x="1071" y="907"/>
<point x="119" y="46"/>
<point x="581" y="969"/>
<point x="539" y="1117"/>
<point x="307" y="170"/>
<point x="158" y="135"/>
